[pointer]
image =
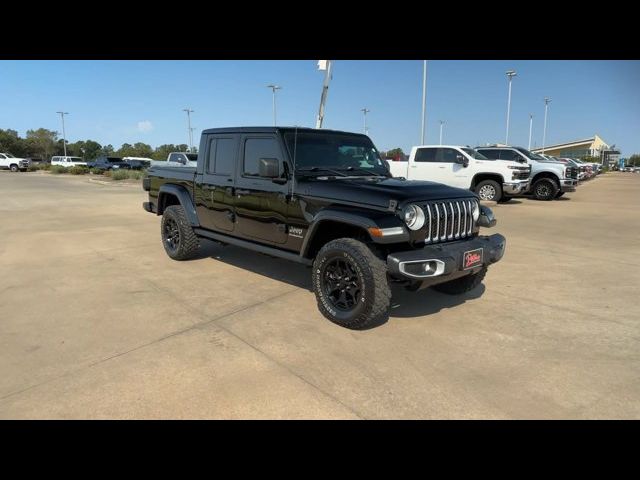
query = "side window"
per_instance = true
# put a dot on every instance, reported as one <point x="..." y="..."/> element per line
<point x="225" y="156"/>
<point x="490" y="153"/>
<point x="447" y="155"/>
<point x="426" y="155"/>
<point x="508" y="155"/>
<point x="2" y="155"/>
<point x="211" y="156"/>
<point x="254" y="150"/>
<point x="173" y="157"/>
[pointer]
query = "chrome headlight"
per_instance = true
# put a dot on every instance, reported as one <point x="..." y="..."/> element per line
<point x="413" y="216"/>
<point x="475" y="211"/>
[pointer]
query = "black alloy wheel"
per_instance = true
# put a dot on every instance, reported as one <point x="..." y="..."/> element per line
<point x="341" y="284"/>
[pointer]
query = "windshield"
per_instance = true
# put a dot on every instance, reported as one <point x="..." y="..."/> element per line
<point x="473" y="154"/>
<point x="9" y="155"/>
<point x="334" y="151"/>
<point x="114" y="160"/>
<point x="531" y="155"/>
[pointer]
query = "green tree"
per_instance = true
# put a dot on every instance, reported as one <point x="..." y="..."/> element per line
<point x="11" y="142"/>
<point x="42" y="143"/>
<point x="395" y="153"/>
<point x="163" y="151"/>
<point x="107" y="150"/>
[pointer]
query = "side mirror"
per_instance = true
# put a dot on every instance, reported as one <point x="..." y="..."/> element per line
<point x="269" y="168"/>
<point x="462" y="160"/>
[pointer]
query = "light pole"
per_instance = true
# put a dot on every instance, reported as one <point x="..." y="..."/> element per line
<point x="510" y="75"/>
<point x="273" y="89"/>
<point x="191" y="130"/>
<point x="441" y="125"/>
<point x="365" y="111"/>
<point x="547" y="101"/>
<point x="64" y="135"/>
<point x="530" y="130"/>
<point x="424" y="101"/>
<point x="189" y="112"/>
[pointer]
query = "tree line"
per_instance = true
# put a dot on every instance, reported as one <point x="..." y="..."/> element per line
<point x="42" y="144"/>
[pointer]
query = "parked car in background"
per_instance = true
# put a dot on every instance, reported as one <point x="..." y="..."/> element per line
<point x="549" y="179"/>
<point x="13" y="163"/>
<point x="68" y="161"/>
<point x="108" y="163"/>
<point x="463" y="167"/>
<point x="178" y="159"/>
<point x="137" y="163"/>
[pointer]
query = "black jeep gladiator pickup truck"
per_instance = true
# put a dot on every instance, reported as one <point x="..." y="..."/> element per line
<point x="325" y="198"/>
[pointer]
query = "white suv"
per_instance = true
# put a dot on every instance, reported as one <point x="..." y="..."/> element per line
<point x="9" y="162"/>
<point x="463" y="167"/>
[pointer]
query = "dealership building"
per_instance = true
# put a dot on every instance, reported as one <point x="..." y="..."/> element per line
<point x="589" y="147"/>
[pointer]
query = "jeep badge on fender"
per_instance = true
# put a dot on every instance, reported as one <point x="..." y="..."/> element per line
<point x="326" y="199"/>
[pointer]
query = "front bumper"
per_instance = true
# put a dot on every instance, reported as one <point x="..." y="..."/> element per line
<point x="515" y="188"/>
<point x="446" y="259"/>
<point x="568" y="185"/>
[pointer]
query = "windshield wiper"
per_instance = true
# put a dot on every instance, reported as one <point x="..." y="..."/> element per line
<point x="322" y="169"/>
<point x="351" y="169"/>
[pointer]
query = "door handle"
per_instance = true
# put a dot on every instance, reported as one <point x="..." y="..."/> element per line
<point x="243" y="192"/>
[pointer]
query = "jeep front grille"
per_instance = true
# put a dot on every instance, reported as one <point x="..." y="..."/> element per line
<point x="448" y="220"/>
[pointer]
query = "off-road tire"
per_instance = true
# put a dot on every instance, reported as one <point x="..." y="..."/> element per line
<point x="505" y="199"/>
<point x="489" y="184"/>
<point x="14" y="167"/>
<point x="559" y="194"/>
<point x="187" y="242"/>
<point x="462" y="284"/>
<point x="548" y="186"/>
<point x="373" y="304"/>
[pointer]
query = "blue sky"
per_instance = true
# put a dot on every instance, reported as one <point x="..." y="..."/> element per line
<point x="128" y="101"/>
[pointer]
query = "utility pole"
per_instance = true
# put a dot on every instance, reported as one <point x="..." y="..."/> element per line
<point x="326" y="66"/>
<point x="365" y="111"/>
<point x="64" y="135"/>
<point x="424" y="101"/>
<point x="530" y="130"/>
<point x="273" y="89"/>
<point x="189" y="112"/>
<point x="441" y="124"/>
<point x="547" y="100"/>
<point x="510" y="75"/>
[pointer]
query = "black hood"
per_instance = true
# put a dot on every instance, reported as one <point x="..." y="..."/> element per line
<point x="378" y="192"/>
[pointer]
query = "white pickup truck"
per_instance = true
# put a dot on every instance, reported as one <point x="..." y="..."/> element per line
<point x="463" y="167"/>
<point x="178" y="159"/>
<point x="9" y="162"/>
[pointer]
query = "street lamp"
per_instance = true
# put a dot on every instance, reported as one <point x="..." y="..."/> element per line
<point x="189" y="112"/>
<point x="273" y="89"/>
<point x="530" y="130"/>
<point x="424" y="102"/>
<point x="365" y="111"/>
<point x="547" y="101"/>
<point x="441" y="125"/>
<point x="510" y="75"/>
<point x="64" y="135"/>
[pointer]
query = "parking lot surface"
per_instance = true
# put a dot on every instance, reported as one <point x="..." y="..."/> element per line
<point x="97" y="322"/>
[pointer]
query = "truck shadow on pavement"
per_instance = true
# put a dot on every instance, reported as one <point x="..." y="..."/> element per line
<point x="404" y="304"/>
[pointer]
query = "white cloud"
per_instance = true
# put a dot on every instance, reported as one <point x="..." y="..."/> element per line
<point x="145" y="126"/>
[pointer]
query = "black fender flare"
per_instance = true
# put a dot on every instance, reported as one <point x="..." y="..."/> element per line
<point x="363" y="220"/>
<point x="183" y="197"/>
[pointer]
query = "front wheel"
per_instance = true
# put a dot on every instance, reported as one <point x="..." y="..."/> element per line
<point x="559" y="194"/>
<point x="14" y="168"/>
<point x="489" y="190"/>
<point x="545" y="189"/>
<point x="350" y="284"/>
<point x="178" y="238"/>
<point x="462" y="284"/>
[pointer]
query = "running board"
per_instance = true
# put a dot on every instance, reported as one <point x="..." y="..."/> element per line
<point x="274" y="252"/>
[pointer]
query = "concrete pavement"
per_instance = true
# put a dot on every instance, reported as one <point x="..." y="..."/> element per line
<point x="97" y="322"/>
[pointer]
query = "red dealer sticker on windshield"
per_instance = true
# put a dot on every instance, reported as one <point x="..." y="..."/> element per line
<point x="472" y="258"/>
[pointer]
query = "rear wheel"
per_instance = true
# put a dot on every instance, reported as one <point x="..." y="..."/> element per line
<point x="489" y="190"/>
<point x="545" y="189"/>
<point x="350" y="284"/>
<point x="178" y="238"/>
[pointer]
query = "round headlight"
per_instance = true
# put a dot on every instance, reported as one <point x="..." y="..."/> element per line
<point x="413" y="216"/>
<point x="475" y="211"/>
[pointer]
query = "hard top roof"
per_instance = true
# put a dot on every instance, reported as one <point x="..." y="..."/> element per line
<point x="274" y="130"/>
